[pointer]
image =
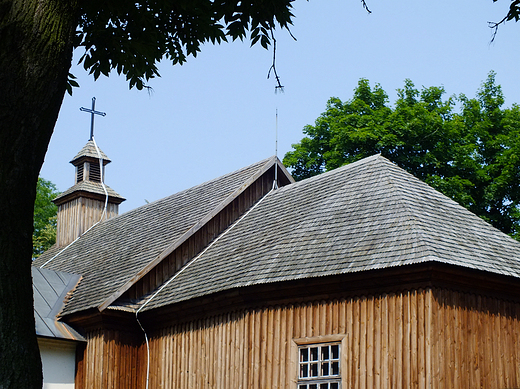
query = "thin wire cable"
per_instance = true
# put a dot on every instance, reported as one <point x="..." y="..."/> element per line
<point x="180" y="272"/>
<point x="275" y="182"/>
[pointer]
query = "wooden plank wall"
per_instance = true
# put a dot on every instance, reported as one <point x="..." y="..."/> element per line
<point x="110" y="360"/>
<point x="476" y="341"/>
<point x="430" y="338"/>
<point x="77" y="216"/>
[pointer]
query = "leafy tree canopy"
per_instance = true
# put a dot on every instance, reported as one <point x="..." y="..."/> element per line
<point x="470" y="154"/>
<point x="44" y="234"/>
<point x="131" y="37"/>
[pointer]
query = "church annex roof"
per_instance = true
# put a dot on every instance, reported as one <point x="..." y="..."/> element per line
<point x="50" y="291"/>
<point x="112" y="252"/>
<point x="363" y="216"/>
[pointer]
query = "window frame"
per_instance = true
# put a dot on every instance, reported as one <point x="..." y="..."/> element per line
<point x="307" y="342"/>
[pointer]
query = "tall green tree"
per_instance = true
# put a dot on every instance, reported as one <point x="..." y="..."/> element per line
<point x="44" y="234"/>
<point x="37" y="38"/>
<point x="471" y="155"/>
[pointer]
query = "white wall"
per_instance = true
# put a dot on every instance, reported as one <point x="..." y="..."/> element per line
<point x="59" y="363"/>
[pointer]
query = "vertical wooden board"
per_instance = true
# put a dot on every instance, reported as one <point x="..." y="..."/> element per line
<point x="335" y="324"/>
<point x="111" y="357"/>
<point x="369" y="351"/>
<point x="313" y="318"/>
<point x="232" y="346"/>
<point x="406" y="348"/>
<point x="377" y="343"/>
<point x="400" y="340"/>
<point x="414" y="352"/>
<point x="282" y="354"/>
<point x="385" y="373"/>
<point x="214" y="363"/>
<point x="445" y="338"/>
<point x="257" y="345"/>
<point x="263" y="349"/>
<point x="498" y="346"/>
<point x="362" y="342"/>
<point x="392" y="328"/>
<point x="480" y="342"/>
<point x="226" y="351"/>
<point x="251" y="331"/>
<point x="342" y="316"/>
<point x="356" y="334"/>
<point x="515" y="343"/>
<point x="277" y="340"/>
<point x="268" y="366"/>
<point x="487" y="357"/>
<point x="431" y="328"/>
<point x="290" y="359"/>
<point x="242" y="350"/>
<point x="472" y="340"/>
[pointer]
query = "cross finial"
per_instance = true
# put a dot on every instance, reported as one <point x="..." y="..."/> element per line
<point x="92" y="112"/>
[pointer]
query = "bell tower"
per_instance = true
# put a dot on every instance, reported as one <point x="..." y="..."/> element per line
<point x="89" y="201"/>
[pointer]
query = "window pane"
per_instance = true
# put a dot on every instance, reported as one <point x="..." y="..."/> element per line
<point x="334" y="385"/>
<point x="304" y="371"/>
<point x="314" y="353"/>
<point x="325" y="369"/>
<point x="334" y="368"/>
<point x="314" y="370"/>
<point x="313" y="386"/>
<point x="304" y="354"/>
<point x="335" y="351"/>
<point x="324" y="386"/>
<point x="302" y="386"/>
<point x="325" y="353"/>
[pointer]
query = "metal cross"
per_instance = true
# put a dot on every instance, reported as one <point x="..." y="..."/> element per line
<point x="92" y="112"/>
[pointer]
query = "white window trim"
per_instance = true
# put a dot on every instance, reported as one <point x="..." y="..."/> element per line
<point x="318" y="340"/>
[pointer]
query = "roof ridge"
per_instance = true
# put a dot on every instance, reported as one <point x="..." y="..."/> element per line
<point x="263" y="166"/>
<point x="418" y="230"/>
<point x="179" y="193"/>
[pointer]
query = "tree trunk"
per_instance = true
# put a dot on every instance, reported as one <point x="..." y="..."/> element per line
<point x="36" y="40"/>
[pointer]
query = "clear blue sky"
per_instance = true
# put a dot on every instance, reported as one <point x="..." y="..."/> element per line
<point x="216" y="113"/>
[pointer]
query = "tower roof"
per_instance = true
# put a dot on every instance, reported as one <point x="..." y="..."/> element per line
<point x="89" y="189"/>
<point x="89" y="151"/>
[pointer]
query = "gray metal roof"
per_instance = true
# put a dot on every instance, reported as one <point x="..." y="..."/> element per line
<point x="112" y="252"/>
<point x="89" y="150"/>
<point x="363" y="216"/>
<point x="90" y="187"/>
<point x="50" y="290"/>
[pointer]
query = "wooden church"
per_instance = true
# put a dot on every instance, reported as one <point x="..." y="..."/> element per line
<point x="361" y="277"/>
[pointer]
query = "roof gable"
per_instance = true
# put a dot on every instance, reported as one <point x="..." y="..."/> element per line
<point x="116" y="253"/>
<point x="364" y="216"/>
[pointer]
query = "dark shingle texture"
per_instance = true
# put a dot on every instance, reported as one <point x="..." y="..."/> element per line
<point x="91" y="187"/>
<point x="363" y="216"/>
<point x="89" y="150"/>
<point x="114" y="251"/>
<point x="50" y="289"/>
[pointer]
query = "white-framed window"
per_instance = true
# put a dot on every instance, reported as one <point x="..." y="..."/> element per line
<point x="319" y="366"/>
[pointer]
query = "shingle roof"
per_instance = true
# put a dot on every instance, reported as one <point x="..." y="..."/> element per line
<point x="363" y="216"/>
<point x="90" y="187"/>
<point x="89" y="150"/>
<point x="50" y="289"/>
<point x="112" y="252"/>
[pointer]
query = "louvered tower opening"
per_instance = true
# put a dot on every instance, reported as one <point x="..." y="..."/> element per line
<point x="79" y="173"/>
<point x="94" y="172"/>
